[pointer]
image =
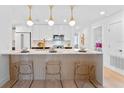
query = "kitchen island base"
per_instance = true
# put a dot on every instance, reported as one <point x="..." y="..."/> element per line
<point x="67" y="60"/>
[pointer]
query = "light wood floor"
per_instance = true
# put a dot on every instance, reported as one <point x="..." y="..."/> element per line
<point x="111" y="80"/>
<point x="51" y="84"/>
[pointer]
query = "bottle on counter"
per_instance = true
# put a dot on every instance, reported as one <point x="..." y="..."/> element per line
<point x="13" y="44"/>
<point x="44" y="43"/>
<point x="13" y="37"/>
<point x="82" y="39"/>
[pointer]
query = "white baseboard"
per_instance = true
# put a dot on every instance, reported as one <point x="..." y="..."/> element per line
<point x="115" y="69"/>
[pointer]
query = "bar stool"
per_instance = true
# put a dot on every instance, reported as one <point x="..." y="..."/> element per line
<point x="26" y="68"/>
<point x="82" y="74"/>
<point x="92" y="72"/>
<point x="92" y="77"/>
<point x="25" y="74"/>
<point x="81" y="71"/>
<point x="53" y="71"/>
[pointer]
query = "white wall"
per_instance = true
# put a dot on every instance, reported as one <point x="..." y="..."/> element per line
<point x="105" y="23"/>
<point x="5" y="41"/>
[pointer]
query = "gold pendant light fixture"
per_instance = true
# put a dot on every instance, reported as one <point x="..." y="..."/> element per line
<point x="72" y="21"/>
<point x="50" y="20"/>
<point x="29" y="21"/>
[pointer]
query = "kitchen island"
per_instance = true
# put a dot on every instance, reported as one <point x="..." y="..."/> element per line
<point x="67" y="57"/>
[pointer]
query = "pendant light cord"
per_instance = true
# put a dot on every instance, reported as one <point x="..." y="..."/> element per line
<point x="51" y="16"/>
<point x="30" y="8"/>
<point x="72" y="7"/>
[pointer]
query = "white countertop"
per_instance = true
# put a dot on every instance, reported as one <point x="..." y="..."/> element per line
<point x="46" y="51"/>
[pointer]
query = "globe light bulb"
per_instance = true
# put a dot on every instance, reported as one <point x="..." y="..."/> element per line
<point x="30" y="23"/>
<point x="50" y="22"/>
<point x="72" y="23"/>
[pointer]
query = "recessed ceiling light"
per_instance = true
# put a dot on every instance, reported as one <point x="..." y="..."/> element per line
<point x="102" y="12"/>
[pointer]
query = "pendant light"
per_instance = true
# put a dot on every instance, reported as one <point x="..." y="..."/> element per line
<point x="50" y="21"/>
<point x="72" y="21"/>
<point x="29" y="21"/>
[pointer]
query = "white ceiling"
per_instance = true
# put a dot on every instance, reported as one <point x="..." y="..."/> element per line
<point x="84" y="14"/>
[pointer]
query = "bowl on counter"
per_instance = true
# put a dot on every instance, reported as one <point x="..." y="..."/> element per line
<point x="52" y="50"/>
<point x="25" y="50"/>
<point x="82" y="50"/>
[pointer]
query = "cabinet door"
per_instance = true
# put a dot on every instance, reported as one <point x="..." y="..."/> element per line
<point x="116" y="38"/>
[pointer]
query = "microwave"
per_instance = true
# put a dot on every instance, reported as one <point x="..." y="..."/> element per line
<point x="58" y="37"/>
